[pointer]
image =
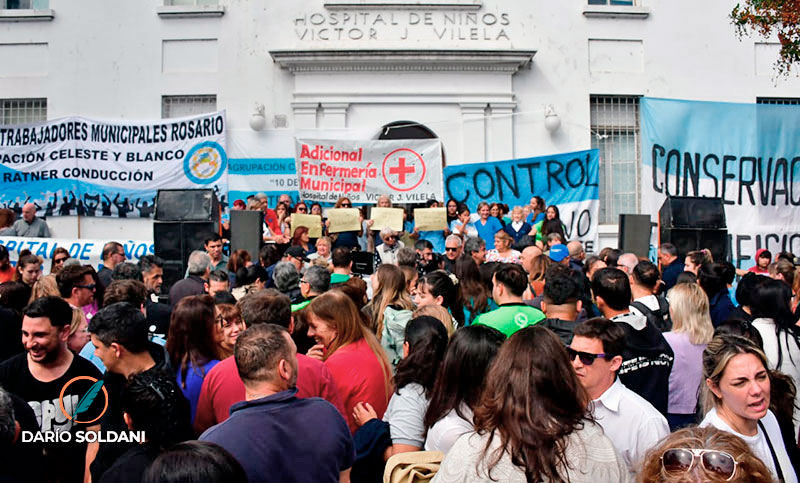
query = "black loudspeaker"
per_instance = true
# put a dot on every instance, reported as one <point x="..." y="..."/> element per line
<point x="247" y="231"/>
<point x="689" y="239"/>
<point x="175" y="241"/>
<point x="363" y="263"/>
<point x="692" y="212"/>
<point x="634" y="234"/>
<point x="187" y="205"/>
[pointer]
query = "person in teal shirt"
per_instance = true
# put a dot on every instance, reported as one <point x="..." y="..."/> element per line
<point x="510" y="282"/>
<point x="487" y="225"/>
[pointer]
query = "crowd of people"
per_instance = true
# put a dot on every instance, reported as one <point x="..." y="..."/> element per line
<point x="494" y="350"/>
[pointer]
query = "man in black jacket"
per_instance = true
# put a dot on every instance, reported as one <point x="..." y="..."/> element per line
<point x="561" y="305"/>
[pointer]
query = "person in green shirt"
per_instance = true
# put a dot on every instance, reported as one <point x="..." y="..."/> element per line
<point x="510" y="282"/>
<point x="342" y="260"/>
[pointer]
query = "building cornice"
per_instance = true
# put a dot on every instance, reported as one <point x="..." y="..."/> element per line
<point x="509" y="61"/>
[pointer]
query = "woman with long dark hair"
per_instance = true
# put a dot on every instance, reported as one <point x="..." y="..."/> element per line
<point x="193" y="344"/>
<point x="476" y="296"/>
<point x="239" y="259"/>
<point x="458" y="385"/>
<point x="423" y="351"/>
<point x="441" y="288"/>
<point x="773" y="318"/>
<point x="531" y="423"/>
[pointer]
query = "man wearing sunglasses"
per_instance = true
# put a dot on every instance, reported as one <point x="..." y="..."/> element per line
<point x="452" y="250"/>
<point x="632" y="423"/>
<point x="76" y="285"/>
<point x="647" y="359"/>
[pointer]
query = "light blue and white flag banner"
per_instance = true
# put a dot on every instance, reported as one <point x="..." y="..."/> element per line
<point x="88" y="251"/>
<point x="747" y="154"/>
<point x="568" y="180"/>
<point x="81" y="166"/>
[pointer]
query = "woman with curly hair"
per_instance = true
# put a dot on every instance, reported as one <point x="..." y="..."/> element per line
<point x="531" y="423"/>
<point x="702" y="454"/>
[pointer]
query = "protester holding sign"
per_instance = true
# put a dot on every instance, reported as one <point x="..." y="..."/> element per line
<point x="463" y="226"/>
<point x="436" y="237"/>
<point x="348" y="238"/>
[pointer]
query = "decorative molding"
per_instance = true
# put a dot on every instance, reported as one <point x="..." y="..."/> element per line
<point x="509" y="61"/>
<point x="27" y="15"/>
<point x="408" y="5"/>
<point x="190" y="11"/>
<point x="616" y="11"/>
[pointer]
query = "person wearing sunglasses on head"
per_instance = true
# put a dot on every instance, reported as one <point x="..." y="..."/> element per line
<point x="736" y="398"/>
<point x="702" y="454"/>
<point x="632" y="423"/>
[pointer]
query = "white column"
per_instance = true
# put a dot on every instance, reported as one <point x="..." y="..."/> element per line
<point x="305" y="115"/>
<point x="501" y="131"/>
<point x="473" y="117"/>
<point x="334" y="115"/>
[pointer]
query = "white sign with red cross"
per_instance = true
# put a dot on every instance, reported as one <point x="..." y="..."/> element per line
<point x="408" y="171"/>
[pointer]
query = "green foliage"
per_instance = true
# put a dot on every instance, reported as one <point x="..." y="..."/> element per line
<point x="768" y="17"/>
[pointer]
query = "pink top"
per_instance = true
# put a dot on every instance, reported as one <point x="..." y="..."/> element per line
<point x="360" y="377"/>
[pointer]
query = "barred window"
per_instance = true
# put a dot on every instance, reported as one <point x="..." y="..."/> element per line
<point x="23" y="111"/>
<point x="191" y="2"/>
<point x="786" y="101"/>
<point x="181" y="106"/>
<point x="611" y="2"/>
<point x="615" y="132"/>
<point x="24" y="4"/>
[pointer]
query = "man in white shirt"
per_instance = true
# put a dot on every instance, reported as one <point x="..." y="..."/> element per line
<point x="632" y="423"/>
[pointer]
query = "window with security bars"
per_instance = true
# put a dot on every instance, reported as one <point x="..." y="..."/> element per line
<point x="23" y="111"/>
<point x="615" y="133"/>
<point x="611" y="2"/>
<point x="181" y="106"/>
<point x="24" y="4"/>
<point x="786" y="101"/>
<point x="191" y="2"/>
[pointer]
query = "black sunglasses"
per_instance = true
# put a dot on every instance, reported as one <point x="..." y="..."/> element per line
<point x="59" y="260"/>
<point x="346" y="205"/>
<point x="681" y="460"/>
<point x="91" y="286"/>
<point x="451" y="249"/>
<point x="587" y="358"/>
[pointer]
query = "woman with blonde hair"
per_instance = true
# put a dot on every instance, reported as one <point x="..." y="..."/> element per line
<point x="736" y="396"/>
<point x="352" y="353"/>
<point x="702" y="454"/>
<point x="390" y="309"/>
<point x="43" y="287"/>
<point x="78" y="331"/>
<point x="437" y="312"/>
<point x="691" y="332"/>
<point x="502" y="251"/>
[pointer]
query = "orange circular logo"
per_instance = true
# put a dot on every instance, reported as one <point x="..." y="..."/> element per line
<point x="85" y="401"/>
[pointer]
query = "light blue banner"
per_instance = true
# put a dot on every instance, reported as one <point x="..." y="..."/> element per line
<point x="568" y="180"/>
<point x="746" y="154"/>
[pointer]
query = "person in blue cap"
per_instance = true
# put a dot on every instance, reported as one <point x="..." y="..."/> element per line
<point x="559" y="254"/>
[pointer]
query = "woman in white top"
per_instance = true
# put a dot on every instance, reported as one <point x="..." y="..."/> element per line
<point x="458" y="385"/>
<point x="737" y="395"/>
<point x="773" y="318"/>
<point x="531" y="423"/>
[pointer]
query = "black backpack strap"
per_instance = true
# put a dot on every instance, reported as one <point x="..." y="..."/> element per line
<point x="772" y="452"/>
<point x="644" y="309"/>
<point x="663" y="305"/>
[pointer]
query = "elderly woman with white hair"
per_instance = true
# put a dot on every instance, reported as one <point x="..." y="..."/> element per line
<point x="387" y="251"/>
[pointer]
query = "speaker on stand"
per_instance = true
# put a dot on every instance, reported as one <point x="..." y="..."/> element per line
<point x="694" y="223"/>
<point x="183" y="219"/>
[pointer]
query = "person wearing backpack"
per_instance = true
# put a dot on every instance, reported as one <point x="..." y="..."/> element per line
<point x="645" y="280"/>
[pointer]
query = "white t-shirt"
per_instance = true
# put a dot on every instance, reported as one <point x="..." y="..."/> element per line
<point x="444" y="433"/>
<point x="790" y="357"/>
<point x="758" y="443"/>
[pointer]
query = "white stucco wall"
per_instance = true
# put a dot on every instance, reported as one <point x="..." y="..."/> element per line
<point x="116" y="59"/>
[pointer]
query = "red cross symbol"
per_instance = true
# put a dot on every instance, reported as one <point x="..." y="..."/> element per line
<point x="401" y="170"/>
<point x="394" y="164"/>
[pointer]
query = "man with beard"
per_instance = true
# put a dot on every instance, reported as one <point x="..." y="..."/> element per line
<point x="45" y="376"/>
